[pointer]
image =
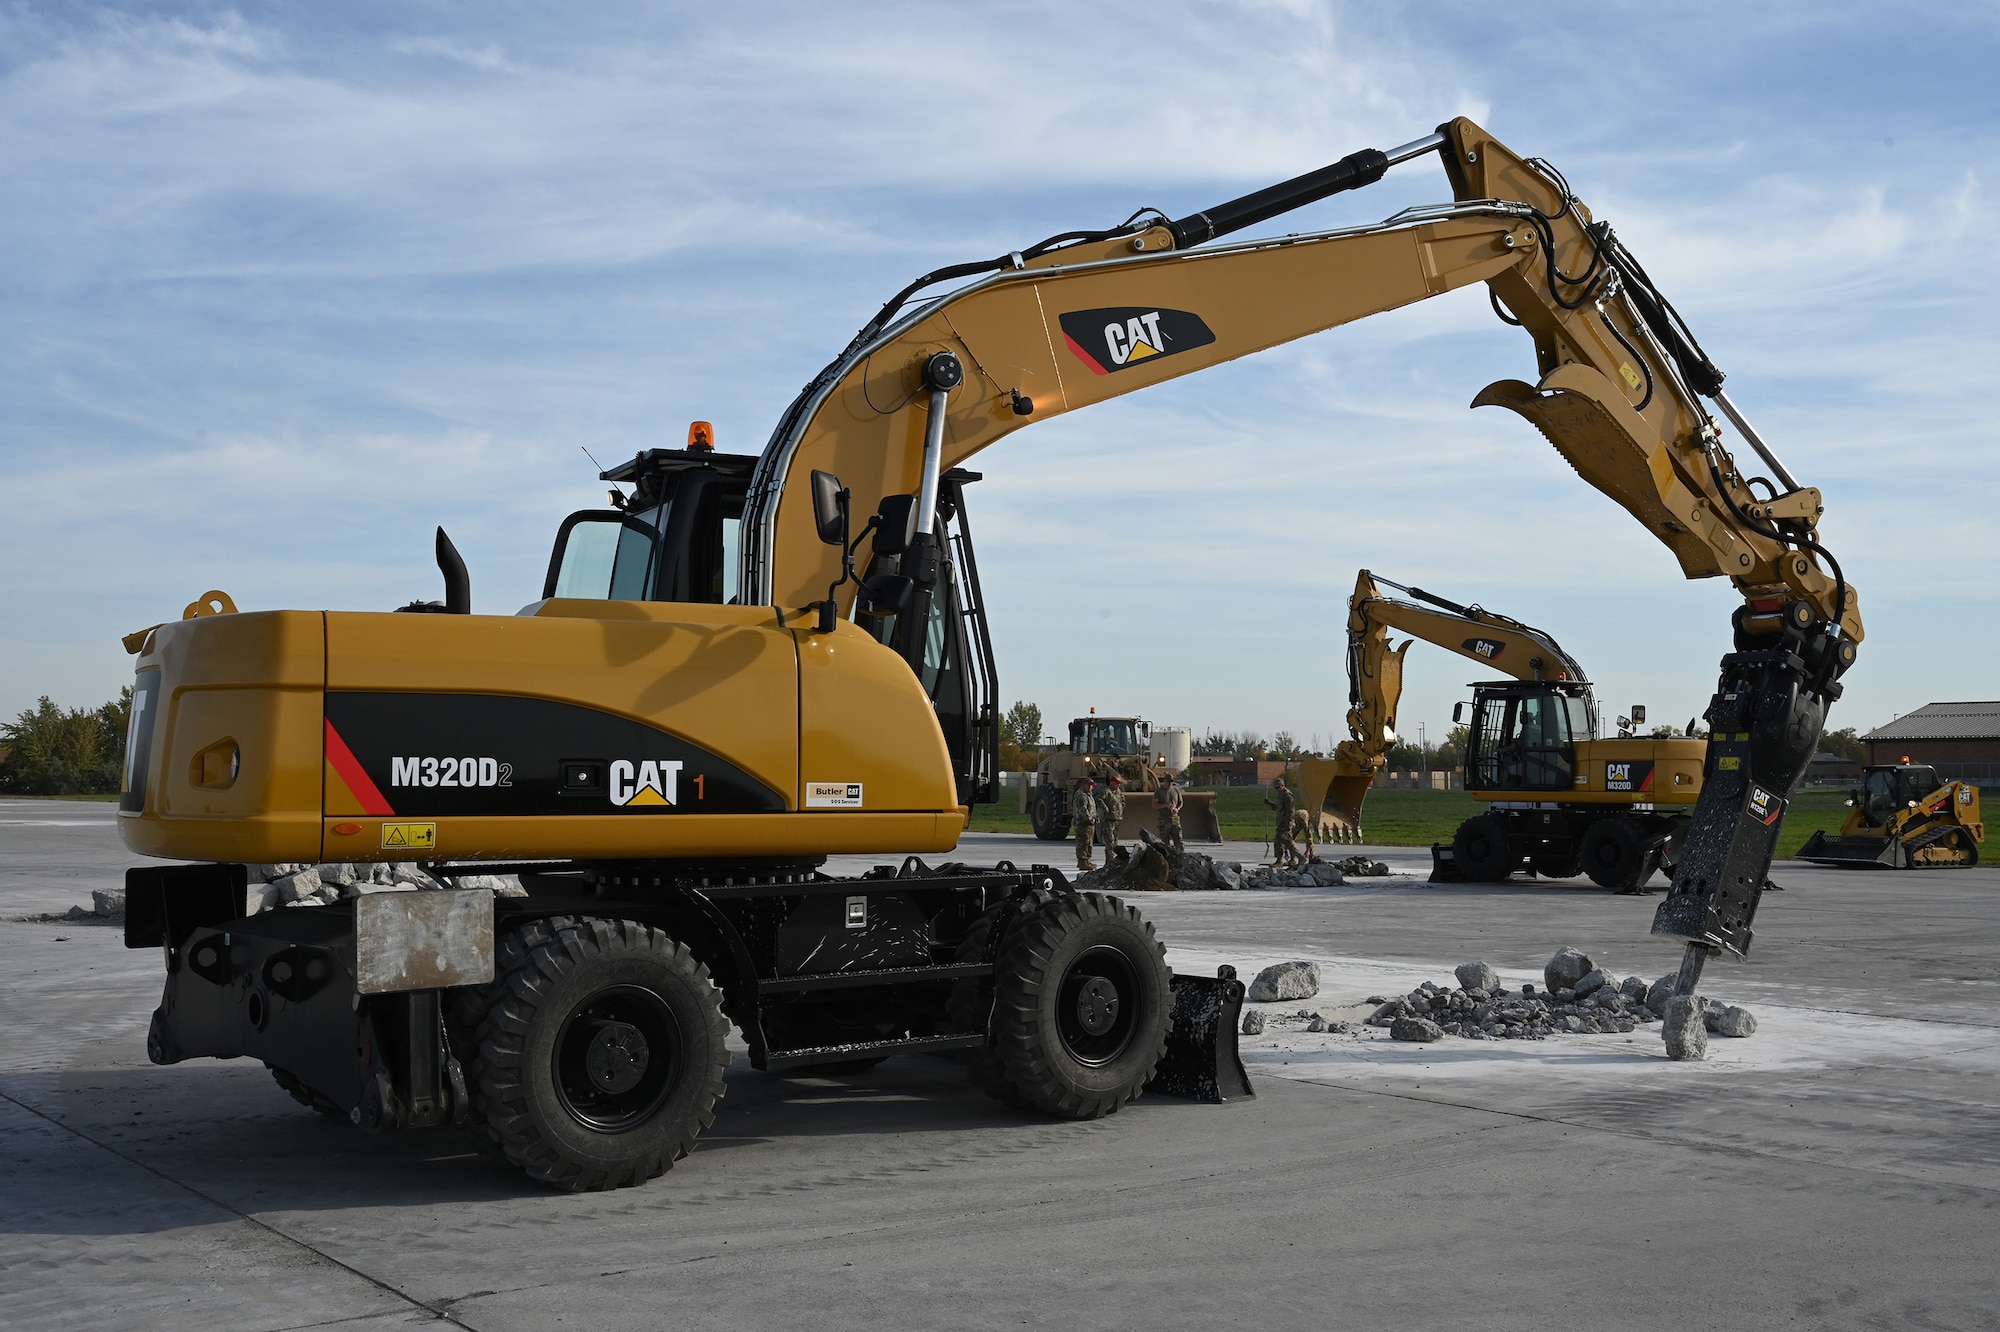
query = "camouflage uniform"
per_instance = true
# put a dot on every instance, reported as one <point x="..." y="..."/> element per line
<point x="1167" y="804"/>
<point x="1284" y="849"/>
<point x="1110" y="809"/>
<point x="1083" y="821"/>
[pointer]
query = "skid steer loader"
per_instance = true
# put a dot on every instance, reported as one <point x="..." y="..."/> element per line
<point x="1904" y="816"/>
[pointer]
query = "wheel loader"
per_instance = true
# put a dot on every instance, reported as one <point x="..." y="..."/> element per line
<point x="1904" y="816"/>
<point x="1560" y="800"/>
<point x="1099" y="747"/>
<point x="744" y="666"/>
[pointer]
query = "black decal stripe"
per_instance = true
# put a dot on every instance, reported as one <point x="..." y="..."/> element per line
<point x="534" y="737"/>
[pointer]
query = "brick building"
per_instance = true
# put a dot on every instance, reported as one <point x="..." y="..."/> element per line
<point x="1961" y="739"/>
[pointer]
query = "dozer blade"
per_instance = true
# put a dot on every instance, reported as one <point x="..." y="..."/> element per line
<point x="1201" y="1062"/>
<point x="1444" y="864"/>
<point x="1854" y="852"/>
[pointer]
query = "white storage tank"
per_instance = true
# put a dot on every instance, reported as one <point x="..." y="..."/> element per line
<point x="1173" y="746"/>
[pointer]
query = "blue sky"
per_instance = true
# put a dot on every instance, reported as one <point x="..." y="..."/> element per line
<point x="284" y="286"/>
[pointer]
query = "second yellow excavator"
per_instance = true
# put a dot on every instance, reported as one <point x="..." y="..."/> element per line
<point x="1560" y="800"/>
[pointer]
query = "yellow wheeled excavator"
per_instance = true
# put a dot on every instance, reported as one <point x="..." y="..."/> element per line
<point x="667" y="767"/>
<point x="1560" y="800"/>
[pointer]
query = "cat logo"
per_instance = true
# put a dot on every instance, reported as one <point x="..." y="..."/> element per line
<point x="1124" y="336"/>
<point x="1485" y="647"/>
<point x="1765" y="807"/>
<point x="1630" y="775"/>
<point x="645" y="783"/>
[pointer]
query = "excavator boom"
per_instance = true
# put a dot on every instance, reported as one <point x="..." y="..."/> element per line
<point x="1619" y="389"/>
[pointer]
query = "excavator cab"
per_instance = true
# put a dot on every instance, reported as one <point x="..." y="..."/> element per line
<point x="1524" y="734"/>
<point x="677" y="537"/>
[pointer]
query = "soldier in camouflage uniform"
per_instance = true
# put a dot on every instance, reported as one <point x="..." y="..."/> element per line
<point x="1283" y="848"/>
<point x="1083" y="819"/>
<point x="1167" y="805"/>
<point x="1110" y="809"/>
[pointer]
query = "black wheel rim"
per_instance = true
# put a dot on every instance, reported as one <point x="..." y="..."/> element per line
<point x="1097" y="1005"/>
<point x="617" y="1058"/>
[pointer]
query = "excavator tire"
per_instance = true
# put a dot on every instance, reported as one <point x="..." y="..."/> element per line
<point x="971" y="1007"/>
<point x="1082" y="1004"/>
<point x="1614" y="855"/>
<point x="599" y="1054"/>
<point x="1549" y="865"/>
<point x="1049" y="825"/>
<point x="1481" y="851"/>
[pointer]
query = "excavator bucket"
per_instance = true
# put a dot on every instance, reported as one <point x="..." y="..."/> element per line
<point x="1335" y="797"/>
<point x="1199" y="819"/>
<point x="1202" y="1062"/>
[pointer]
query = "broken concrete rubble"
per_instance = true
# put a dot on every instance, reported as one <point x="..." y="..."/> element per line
<point x="1566" y="968"/>
<point x="1155" y="867"/>
<point x="1478" y="976"/>
<point x="1284" y="980"/>
<point x="1684" y="1032"/>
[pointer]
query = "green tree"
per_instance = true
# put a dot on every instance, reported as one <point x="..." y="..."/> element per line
<point x="1846" y="744"/>
<point x="1022" y="726"/>
<point x="57" y="751"/>
<point x="1284" y="745"/>
<point x="1451" y="753"/>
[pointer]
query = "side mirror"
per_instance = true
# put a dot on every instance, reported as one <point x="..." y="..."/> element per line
<point x="895" y="524"/>
<point x="829" y="508"/>
<point x="1458" y="714"/>
<point x="885" y="594"/>
<point x="1638" y="714"/>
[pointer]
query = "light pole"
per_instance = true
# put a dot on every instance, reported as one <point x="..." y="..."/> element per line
<point x="1424" y="755"/>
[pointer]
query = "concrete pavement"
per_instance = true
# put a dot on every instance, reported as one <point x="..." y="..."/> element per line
<point x="1841" y="1169"/>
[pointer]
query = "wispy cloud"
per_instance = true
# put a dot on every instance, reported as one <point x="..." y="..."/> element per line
<point x="283" y="288"/>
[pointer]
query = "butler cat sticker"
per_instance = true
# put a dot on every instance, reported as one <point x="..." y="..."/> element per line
<point x="1123" y="336"/>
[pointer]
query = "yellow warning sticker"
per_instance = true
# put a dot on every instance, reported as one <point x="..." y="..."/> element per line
<point x="1631" y="375"/>
<point x="1728" y="763"/>
<point x="409" y="836"/>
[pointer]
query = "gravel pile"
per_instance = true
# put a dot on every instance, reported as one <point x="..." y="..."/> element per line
<point x="1577" y="998"/>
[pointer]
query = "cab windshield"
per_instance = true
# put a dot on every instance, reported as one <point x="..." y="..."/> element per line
<point x="1113" y="738"/>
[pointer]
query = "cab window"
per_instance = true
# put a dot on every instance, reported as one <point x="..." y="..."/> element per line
<point x="605" y="556"/>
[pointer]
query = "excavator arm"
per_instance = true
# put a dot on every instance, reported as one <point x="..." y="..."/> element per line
<point x="1336" y="788"/>
<point x="1621" y="389"/>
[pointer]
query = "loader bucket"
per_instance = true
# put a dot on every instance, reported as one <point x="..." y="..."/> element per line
<point x="1854" y="852"/>
<point x="1199" y="820"/>
<point x="1201" y="1062"/>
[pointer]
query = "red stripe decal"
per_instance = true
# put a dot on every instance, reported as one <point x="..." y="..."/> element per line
<point x="1647" y="785"/>
<point x="1085" y="356"/>
<point x="350" y="770"/>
